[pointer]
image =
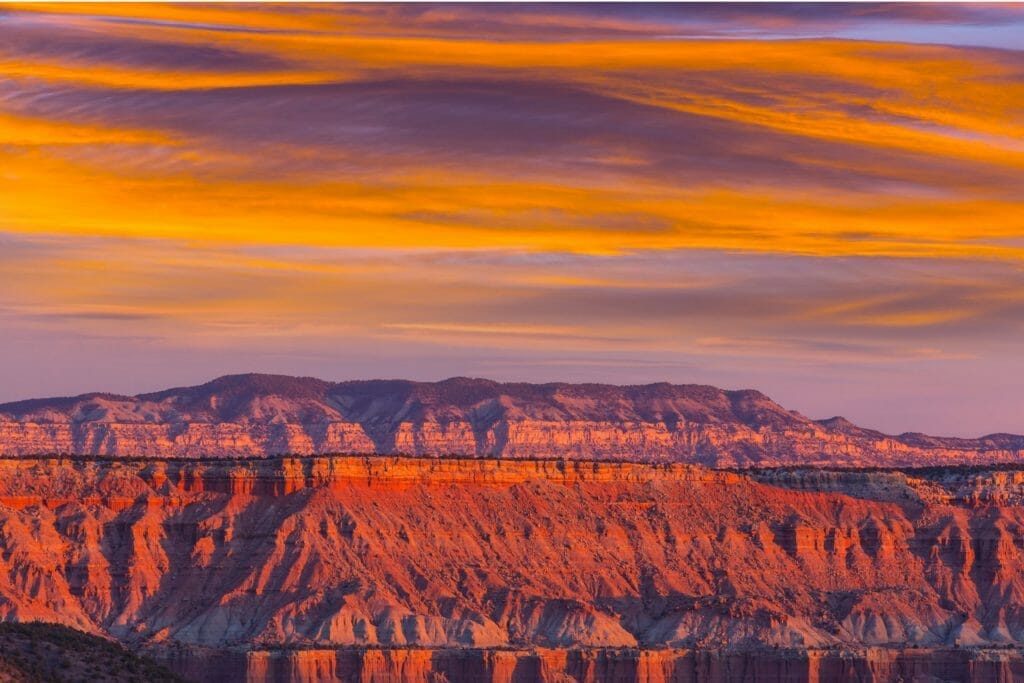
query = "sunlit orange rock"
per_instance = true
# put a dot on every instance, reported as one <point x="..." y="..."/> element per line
<point x="599" y="666"/>
<point x="540" y="566"/>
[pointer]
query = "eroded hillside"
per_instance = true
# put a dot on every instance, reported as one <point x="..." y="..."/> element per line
<point x="487" y="553"/>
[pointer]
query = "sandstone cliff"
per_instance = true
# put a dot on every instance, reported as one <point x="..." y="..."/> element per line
<point x="406" y="569"/>
<point x="260" y="415"/>
<point x="400" y="552"/>
<point x="539" y="665"/>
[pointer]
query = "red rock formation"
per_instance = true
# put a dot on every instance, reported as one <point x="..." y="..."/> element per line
<point x="258" y="415"/>
<point x="400" y="552"/>
<point x="598" y="666"/>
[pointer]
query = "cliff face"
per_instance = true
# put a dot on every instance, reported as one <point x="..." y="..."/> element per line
<point x="259" y="415"/>
<point x="540" y="665"/>
<point x="399" y="553"/>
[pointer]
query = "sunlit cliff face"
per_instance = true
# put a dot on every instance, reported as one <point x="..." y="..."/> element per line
<point x="824" y="202"/>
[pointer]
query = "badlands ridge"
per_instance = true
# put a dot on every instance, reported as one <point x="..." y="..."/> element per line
<point x="405" y="569"/>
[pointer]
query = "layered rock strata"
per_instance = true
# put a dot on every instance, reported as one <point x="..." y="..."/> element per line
<point x="479" y="553"/>
<point x="599" y="666"/>
<point x="260" y="415"/>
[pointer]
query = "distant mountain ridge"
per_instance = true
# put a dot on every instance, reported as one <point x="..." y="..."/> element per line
<point x="256" y="415"/>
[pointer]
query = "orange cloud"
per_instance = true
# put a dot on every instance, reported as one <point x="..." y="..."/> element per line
<point x="957" y="107"/>
<point x="580" y="190"/>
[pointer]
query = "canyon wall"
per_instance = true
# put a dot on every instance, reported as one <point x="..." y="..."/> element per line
<point x="483" y="553"/>
<point x="598" y="666"/>
<point x="260" y="415"/>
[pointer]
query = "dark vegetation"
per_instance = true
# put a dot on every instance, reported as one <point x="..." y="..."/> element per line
<point x="37" y="652"/>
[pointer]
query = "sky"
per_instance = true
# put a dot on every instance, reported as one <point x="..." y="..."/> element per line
<point x="820" y="201"/>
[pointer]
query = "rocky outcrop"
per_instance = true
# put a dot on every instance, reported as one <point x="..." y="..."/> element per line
<point x="260" y="415"/>
<point x="400" y="553"/>
<point x="597" y="666"/>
